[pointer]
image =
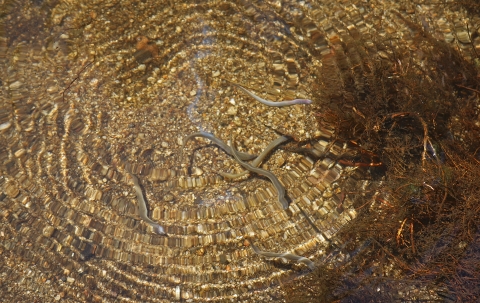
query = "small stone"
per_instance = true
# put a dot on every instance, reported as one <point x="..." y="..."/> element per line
<point x="48" y="231"/>
<point x="232" y="111"/>
<point x="19" y="153"/>
<point x="279" y="161"/>
<point x="5" y="125"/>
<point x="12" y="190"/>
<point x="193" y="93"/>
<point x="327" y="194"/>
<point x="94" y="82"/>
<point x="216" y="73"/>
<point x="15" y="85"/>
<point x="197" y="171"/>
<point x="52" y="89"/>
<point x="237" y="121"/>
<point x="168" y="197"/>
<point x="70" y="280"/>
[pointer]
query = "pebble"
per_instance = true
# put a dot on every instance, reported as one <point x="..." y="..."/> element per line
<point x="237" y="121"/>
<point x="15" y="85"/>
<point x="5" y="125"/>
<point x="232" y="111"/>
<point x="51" y="89"/>
<point x="280" y="161"/>
<point x="197" y="171"/>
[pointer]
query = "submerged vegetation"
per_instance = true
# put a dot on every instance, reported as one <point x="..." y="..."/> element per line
<point x="417" y="237"/>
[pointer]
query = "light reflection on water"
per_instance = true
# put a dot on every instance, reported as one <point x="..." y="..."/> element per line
<point x="80" y="108"/>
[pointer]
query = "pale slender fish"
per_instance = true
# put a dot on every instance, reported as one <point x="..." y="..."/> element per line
<point x="287" y="256"/>
<point x="142" y="208"/>
<point x="258" y="159"/>
<point x="272" y="103"/>
<point x="225" y="147"/>
<point x="278" y="186"/>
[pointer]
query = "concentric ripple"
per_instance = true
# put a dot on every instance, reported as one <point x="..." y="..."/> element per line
<point x="101" y="89"/>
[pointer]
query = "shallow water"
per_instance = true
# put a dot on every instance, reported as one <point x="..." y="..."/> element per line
<point x="94" y="91"/>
